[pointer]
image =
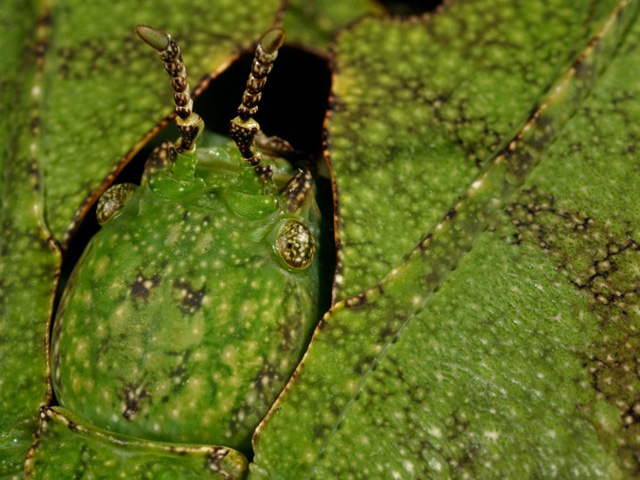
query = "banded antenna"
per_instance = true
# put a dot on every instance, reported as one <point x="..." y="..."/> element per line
<point x="243" y="129"/>
<point x="189" y="123"/>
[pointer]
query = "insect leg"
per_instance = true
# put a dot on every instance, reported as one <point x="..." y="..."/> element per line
<point x="297" y="190"/>
<point x="274" y="145"/>
<point x="113" y="200"/>
<point x="160" y="159"/>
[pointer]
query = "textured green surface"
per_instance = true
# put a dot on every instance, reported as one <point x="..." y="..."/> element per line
<point x="419" y="106"/>
<point x="103" y="91"/>
<point x="28" y="261"/>
<point x="314" y="24"/>
<point x="181" y="322"/>
<point x="523" y="362"/>
<point x="69" y="448"/>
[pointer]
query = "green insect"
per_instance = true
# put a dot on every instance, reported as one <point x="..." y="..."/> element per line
<point x="200" y="292"/>
<point x="484" y="314"/>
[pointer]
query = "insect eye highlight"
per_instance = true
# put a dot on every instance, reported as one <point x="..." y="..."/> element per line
<point x="113" y="200"/>
<point x="295" y="244"/>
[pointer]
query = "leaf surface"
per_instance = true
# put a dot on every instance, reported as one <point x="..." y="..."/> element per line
<point x="520" y="361"/>
<point x="29" y="260"/>
<point x="420" y="105"/>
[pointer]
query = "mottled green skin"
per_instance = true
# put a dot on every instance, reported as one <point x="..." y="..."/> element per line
<point x="419" y="107"/>
<point x="181" y="322"/>
<point x="28" y="258"/>
<point x="104" y="92"/>
<point x="520" y="360"/>
<point x="67" y="447"/>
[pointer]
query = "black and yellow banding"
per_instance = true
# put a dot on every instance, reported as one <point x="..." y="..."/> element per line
<point x="266" y="54"/>
<point x="297" y="190"/>
<point x="189" y="123"/>
<point x="243" y="129"/>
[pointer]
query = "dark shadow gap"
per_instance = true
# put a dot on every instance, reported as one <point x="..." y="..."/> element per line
<point x="410" y="7"/>
<point x="293" y="103"/>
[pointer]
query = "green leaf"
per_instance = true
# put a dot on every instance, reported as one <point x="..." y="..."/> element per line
<point x="518" y="358"/>
<point x="29" y="259"/>
<point x="419" y="107"/>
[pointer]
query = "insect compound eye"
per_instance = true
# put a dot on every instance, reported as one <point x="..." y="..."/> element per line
<point x="113" y="200"/>
<point x="296" y="244"/>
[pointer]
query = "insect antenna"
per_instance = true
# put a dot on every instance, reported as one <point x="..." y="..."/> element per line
<point x="189" y="123"/>
<point x="243" y="129"/>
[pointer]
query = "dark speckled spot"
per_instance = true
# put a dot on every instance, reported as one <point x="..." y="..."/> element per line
<point x="214" y="460"/>
<point x="191" y="297"/>
<point x="133" y="396"/>
<point x="141" y="287"/>
<point x="180" y="374"/>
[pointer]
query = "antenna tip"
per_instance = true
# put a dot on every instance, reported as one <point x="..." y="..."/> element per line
<point x="154" y="37"/>
<point x="272" y="40"/>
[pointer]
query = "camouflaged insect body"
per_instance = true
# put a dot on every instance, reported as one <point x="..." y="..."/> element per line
<point x="191" y="307"/>
<point x="181" y="322"/>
